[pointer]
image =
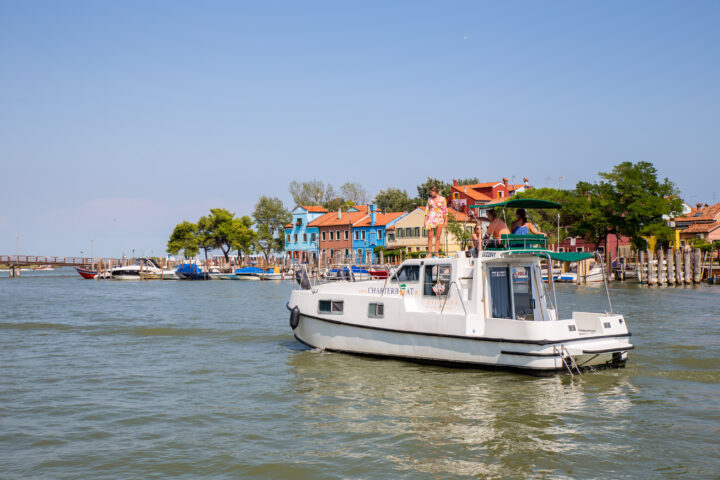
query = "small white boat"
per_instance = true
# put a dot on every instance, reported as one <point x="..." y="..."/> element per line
<point x="494" y="310"/>
<point x="142" y="268"/>
<point x="222" y="276"/>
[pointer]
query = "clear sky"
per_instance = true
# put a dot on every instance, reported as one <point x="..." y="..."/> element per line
<point x="120" y="119"/>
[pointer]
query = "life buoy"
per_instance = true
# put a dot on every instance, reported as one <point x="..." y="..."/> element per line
<point x="294" y="317"/>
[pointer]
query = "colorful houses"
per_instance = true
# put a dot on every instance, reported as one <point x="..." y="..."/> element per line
<point x="335" y="232"/>
<point x="301" y="239"/>
<point x="409" y="234"/>
<point x="702" y="222"/>
<point x="370" y="232"/>
<point x="463" y="196"/>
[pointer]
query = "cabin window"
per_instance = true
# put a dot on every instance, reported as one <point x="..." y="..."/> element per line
<point x="330" y="306"/>
<point x="437" y="280"/>
<point x="500" y="292"/>
<point x="407" y="273"/>
<point x="522" y="293"/>
<point x="376" y="310"/>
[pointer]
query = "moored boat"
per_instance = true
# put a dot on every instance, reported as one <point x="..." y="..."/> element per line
<point x="493" y="310"/>
<point x="248" y="273"/>
<point x="191" y="271"/>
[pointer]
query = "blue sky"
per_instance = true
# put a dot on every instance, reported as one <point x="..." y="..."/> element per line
<point x="120" y="119"/>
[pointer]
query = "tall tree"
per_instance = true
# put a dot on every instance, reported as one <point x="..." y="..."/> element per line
<point x="394" y="200"/>
<point x="468" y="181"/>
<point x="243" y="237"/>
<point x="184" y="237"/>
<point x="355" y="193"/>
<point x="311" y="192"/>
<point x="424" y="189"/>
<point x="216" y="231"/>
<point x="270" y="217"/>
<point x="458" y="230"/>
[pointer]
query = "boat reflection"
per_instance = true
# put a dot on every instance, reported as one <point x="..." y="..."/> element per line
<point x="457" y="422"/>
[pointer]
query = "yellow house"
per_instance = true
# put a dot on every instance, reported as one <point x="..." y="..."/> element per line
<point x="409" y="232"/>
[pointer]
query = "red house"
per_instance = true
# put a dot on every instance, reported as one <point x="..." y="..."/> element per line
<point x="462" y="197"/>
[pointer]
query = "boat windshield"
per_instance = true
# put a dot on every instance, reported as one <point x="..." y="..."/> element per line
<point x="407" y="273"/>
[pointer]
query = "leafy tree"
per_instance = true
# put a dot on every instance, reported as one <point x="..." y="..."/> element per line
<point x="355" y="193"/>
<point x="457" y="229"/>
<point x="270" y="217"/>
<point x="215" y="231"/>
<point x="243" y="237"/>
<point x="546" y="219"/>
<point x="184" y="237"/>
<point x="467" y="181"/>
<point x="308" y="193"/>
<point x="394" y="200"/>
<point x="424" y="189"/>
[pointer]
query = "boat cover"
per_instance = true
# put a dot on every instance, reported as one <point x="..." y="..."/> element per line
<point x="570" y="256"/>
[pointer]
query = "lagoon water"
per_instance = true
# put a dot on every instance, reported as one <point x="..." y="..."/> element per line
<point x="109" y="380"/>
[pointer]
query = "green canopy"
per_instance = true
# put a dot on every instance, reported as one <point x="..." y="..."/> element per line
<point x="520" y="203"/>
<point x="570" y="256"/>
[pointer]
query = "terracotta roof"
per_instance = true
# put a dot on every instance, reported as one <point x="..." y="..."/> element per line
<point x="380" y="219"/>
<point x="314" y="208"/>
<point x="481" y="185"/>
<point x="707" y="213"/>
<point x="289" y="225"/>
<point x="331" y="219"/>
<point x="702" y="227"/>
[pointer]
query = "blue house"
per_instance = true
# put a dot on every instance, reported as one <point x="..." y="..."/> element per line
<point x="370" y="233"/>
<point x="301" y="241"/>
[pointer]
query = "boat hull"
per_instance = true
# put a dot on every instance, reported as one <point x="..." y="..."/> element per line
<point x="88" y="274"/>
<point x="460" y="351"/>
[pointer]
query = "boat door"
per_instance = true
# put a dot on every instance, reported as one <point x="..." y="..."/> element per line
<point x="511" y="292"/>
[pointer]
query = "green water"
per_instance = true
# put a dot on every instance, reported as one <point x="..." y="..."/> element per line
<point x="109" y="380"/>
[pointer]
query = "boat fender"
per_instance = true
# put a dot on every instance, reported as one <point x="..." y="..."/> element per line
<point x="302" y="279"/>
<point x="294" y="317"/>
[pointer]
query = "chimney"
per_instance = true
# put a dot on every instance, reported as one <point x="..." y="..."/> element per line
<point x="698" y="206"/>
<point x="526" y="180"/>
<point x="339" y="213"/>
<point x="372" y="215"/>
<point x="505" y="181"/>
<point x="455" y="182"/>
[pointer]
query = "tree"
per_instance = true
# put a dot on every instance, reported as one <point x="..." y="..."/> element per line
<point x="184" y="237"/>
<point x="270" y="217"/>
<point x="215" y="231"/>
<point x="468" y="181"/>
<point x="547" y="219"/>
<point x="355" y="193"/>
<point x="394" y="200"/>
<point x="458" y="230"/>
<point x="242" y="236"/>
<point x="424" y="189"/>
<point x="311" y="192"/>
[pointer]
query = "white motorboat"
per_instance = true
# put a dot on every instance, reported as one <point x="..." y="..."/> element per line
<point x="142" y="268"/>
<point x="493" y="310"/>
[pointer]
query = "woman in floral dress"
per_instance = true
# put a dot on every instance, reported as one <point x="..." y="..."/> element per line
<point x="435" y="217"/>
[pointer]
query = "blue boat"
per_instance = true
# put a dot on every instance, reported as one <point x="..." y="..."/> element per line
<point x="248" y="273"/>
<point x="191" y="271"/>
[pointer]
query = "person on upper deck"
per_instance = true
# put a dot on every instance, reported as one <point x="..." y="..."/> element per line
<point x="436" y="215"/>
<point x="495" y="230"/>
<point x="521" y="226"/>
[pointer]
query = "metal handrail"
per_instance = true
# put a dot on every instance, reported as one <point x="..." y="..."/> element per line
<point x="462" y="302"/>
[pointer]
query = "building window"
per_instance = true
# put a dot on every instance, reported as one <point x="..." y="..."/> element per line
<point x="408" y="232"/>
<point x="580" y="249"/>
<point x="376" y="310"/>
<point x="304" y="237"/>
<point x="456" y="195"/>
<point x="330" y="306"/>
<point x="561" y="249"/>
<point x="347" y="235"/>
<point x="347" y="253"/>
<point x="424" y="234"/>
<point x="295" y="237"/>
<point x="359" y="255"/>
<point x="417" y="231"/>
<point x="362" y="234"/>
<point x="357" y="235"/>
<point x="400" y="233"/>
<point x="500" y="194"/>
<point x="379" y="234"/>
<point x="391" y="237"/>
<point x="313" y="237"/>
<point x="287" y="239"/>
<point x="323" y="236"/>
<point x="337" y="234"/>
<point x="332" y="253"/>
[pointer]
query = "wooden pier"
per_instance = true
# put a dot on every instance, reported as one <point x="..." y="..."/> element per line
<point x="675" y="267"/>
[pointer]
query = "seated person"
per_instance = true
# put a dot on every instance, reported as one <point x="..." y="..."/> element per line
<point x="521" y="226"/>
<point x="495" y="230"/>
<point x="476" y="240"/>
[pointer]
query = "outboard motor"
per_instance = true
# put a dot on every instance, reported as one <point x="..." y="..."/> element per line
<point x="301" y="277"/>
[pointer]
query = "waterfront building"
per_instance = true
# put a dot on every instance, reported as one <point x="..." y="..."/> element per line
<point x="462" y="197"/>
<point x="409" y="232"/>
<point x="702" y="222"/>
<point x="579" y="244"/>
<point x="301" y="240"/>
<point x="335" y="232"/>
<point x="370" y="232"/>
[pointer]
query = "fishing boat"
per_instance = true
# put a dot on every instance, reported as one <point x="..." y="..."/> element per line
<point x="493" y="310"/>
<point x="191" y="271"/>
<point x="248" y="273"/>
<point x="86" y="273"/>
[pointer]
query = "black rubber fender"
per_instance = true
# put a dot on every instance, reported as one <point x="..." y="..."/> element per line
<point x="294" y="317"/>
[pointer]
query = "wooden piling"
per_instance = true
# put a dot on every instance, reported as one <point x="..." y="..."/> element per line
<point x="687" y="262"/>
<point x="679" y="277"/>
<point x="651" y="268"/>
<point x="670" y="267"/>
<point x="662" y="267"/>
<point x="642" y="276"/>
<point x="697" y="266"/>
